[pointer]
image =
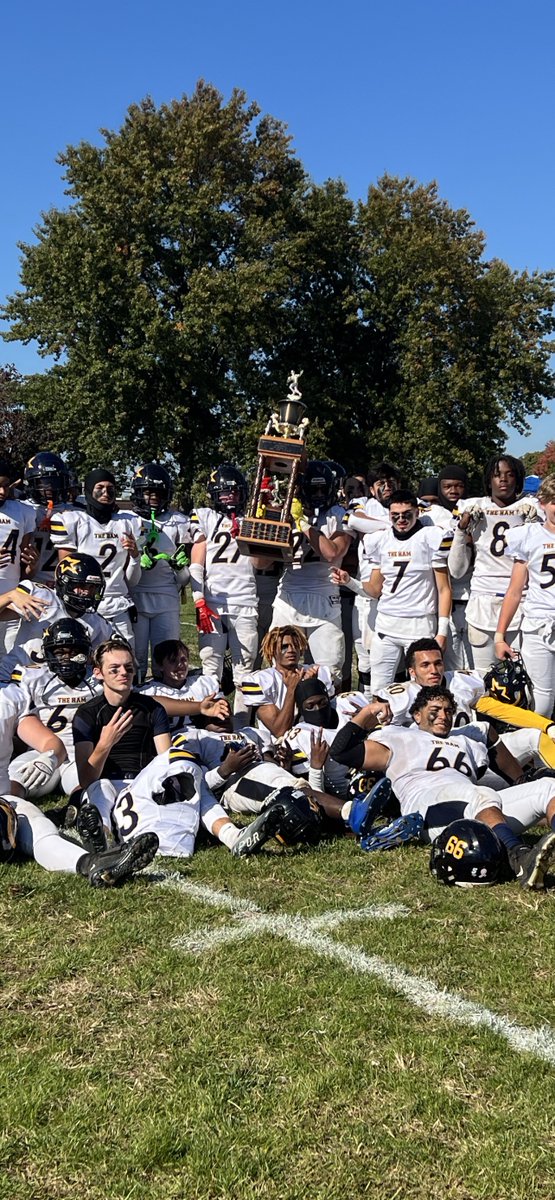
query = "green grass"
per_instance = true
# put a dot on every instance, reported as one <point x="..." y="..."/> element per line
<point x="135" y="1071"/>
<point x="131" y="1069"/>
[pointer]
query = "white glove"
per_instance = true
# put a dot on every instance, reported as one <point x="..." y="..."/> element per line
<point x="36" y="774"/>
<point x="530" y="513"/>
<point x="475" y="513"/>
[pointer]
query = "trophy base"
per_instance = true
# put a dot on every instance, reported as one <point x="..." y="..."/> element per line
<point x="262" y="537"/>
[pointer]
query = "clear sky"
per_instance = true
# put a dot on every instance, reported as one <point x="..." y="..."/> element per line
<point x="460" y="93"/>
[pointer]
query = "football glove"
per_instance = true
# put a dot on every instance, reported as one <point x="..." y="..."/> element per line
<point x="179" y="559"/>
<point x="299" y="516"/>
<point x="38" y="773"/>
<point x="205" y="624"/>
<point x="148" y="557"/>
<point x="530" y="513"/>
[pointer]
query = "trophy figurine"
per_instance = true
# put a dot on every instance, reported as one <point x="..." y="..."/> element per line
<point x="266" y="528"/>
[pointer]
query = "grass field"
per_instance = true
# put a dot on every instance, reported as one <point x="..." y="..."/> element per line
<point x="166" y="1041"/>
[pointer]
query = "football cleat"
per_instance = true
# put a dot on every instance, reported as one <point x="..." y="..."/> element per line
<point x="253" y="836"/>
<point x="366" y="809"/>
<point x="398" y="833"/>
<point x="530" y="863"/>
<point x="110" y="867"/>
<point x="91" y="830"/>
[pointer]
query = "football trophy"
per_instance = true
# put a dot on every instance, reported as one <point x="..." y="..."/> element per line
<point x="266" y="529"/>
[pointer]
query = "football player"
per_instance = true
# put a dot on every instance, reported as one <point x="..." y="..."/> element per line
<point x="272" y="690"/>
<point x="531" y="548"/>
<point x="47" y="490"/>
<point x="483" y="523"/>
<point x="17" y="525"/>
<point x="409" y="578"/>
<point x="58" y="686"/>
<point x="26" y="830"/>
<point x="223" y="582"/>
<point x="165" y="535"/>
<point x="109" y="536"/>
<point x="452" y="489"/>
<point x="434" y="772"/>
<point x="307" y="597"/>
<point x="174" y="681"/>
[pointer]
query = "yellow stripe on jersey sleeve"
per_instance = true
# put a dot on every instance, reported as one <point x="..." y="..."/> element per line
<point x="251" y="689"/>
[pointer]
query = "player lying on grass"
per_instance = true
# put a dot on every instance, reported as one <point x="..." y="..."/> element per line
<point x="25" y="830"/>
<point x="434" y="771"/>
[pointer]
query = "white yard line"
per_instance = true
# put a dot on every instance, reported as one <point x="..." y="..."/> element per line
<point x="305" y="932"/>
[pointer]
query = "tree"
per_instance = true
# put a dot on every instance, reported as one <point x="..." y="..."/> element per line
<point x="530" y="459"/>
<point x="196" y="265"/>
<point x="460" y="344"/>
<point x="545" y="462"/>
<point x="19" y="434"/>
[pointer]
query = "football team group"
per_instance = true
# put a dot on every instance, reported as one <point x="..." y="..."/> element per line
<point x="441" y="604"/>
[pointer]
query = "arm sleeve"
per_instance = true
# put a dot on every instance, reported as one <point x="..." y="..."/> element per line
<point x="348" y="746"/>
<point x="460" y="555"/>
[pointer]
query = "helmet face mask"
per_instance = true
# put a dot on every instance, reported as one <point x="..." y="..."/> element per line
<point x="67" y="647"/>
<point x="468" y="854"/>
<point x="507" y="680"/>
<point x="318" y="486"/>
<point x="228" y="490"/>
<point x="79" y="583"/>
<point x="152" y="481"/>
<point x="47" y="479"/>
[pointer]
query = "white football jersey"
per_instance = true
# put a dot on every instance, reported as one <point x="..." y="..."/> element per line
<point x="492" y="568"/>
<point x="230" y="583"/>
<point x="160" y="582"/>
<point x="421" y="765"/>
<point x="307" y="572"/>
<point x="534" y="545"/>
<point x="141" y="805"/>
<point x="77" y="530"/>
<point x="15" y="703"/>
<point x="98" y="629"/>
<point x="407" y="566"/>
<point x="465" y="686"/>
<point x="196" y="687"/>
<point x="16" y="520"/>
<point x="268" y="686"/>
<point x="336" y="776"/>
<point x="55" y="701"/>
<point x="48" y="554"/>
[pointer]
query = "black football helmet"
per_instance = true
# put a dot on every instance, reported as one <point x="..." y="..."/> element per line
<point x="339" y="474"/>
<point x="8" y="829"/>
<point x="79" y="583"/>
<point x="152" y="477"/>
<point x="67" y="646"/>
<point x="228" y="489"/>
<point x="47" y="478"/>
<point x="468" y="854"/>
<point x="289" y="815"/>
<point x="509" y="681"/>
<point x="318" y="486"/>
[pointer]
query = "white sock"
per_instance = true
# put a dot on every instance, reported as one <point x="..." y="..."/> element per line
<point x="228" y="834"/>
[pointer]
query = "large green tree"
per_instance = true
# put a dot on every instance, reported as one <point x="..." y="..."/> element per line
<point x="461" y="345"/>
<point x="196" y="265"/>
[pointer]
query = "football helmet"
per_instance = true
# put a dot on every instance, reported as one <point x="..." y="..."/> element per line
<point x="289" y="815"/>
<point x="318" y="486"/>
<point x="152" y="477"/>
<point x="79" y="583"/>
<point x="47" y="478"/>
<point x="339" y="474"/>
<point x="509" y="681"/>
<point x="228" y="489"/>
<point x="468" y="854"/>
<point x="8" y="829"/>
<point x="67" y="646"/>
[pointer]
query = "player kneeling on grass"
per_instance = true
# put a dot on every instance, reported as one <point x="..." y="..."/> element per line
<point x="434" y="772"/>
<point x="25" y="830"/>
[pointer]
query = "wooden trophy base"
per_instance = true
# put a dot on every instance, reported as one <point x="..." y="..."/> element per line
<point x="262" y="537"/>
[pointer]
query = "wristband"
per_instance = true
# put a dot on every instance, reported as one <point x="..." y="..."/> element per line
<point x="196" y="572"/>
<point x="316" y="778"/>
<point x="498" y="637"/>
<point x="355" y="586"/>
<point x="443" y="626"/>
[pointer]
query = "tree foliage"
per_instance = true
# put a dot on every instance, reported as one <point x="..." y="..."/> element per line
<point x="196" y="265"/>
<point x="19" y="432"/>
<point x="545" y="462"/>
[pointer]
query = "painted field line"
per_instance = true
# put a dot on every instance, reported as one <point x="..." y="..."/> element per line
<point x="305" y="933"/>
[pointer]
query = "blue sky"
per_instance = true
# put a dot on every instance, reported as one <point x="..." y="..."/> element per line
<point x="458" y="93"/>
